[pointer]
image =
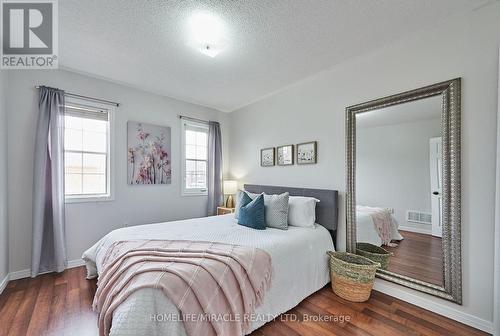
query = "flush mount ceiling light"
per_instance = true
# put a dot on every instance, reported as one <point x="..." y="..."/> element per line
<point x="208" y="33"/>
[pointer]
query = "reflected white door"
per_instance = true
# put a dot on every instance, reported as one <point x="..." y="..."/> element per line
<point x="436" y="179"/>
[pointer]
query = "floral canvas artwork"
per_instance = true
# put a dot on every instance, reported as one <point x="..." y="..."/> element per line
<point x="149" y="156"/>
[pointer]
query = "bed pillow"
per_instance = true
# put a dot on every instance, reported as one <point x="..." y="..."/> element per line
<point x="239" y="196"/>
<point x="252" y="212"/>
<point x="302" y="211"/>
<point x="276" y="210"/>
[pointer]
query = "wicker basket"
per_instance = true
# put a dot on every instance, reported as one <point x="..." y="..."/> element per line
<point x="352" y="275"/>
<point x="374" y="253"/>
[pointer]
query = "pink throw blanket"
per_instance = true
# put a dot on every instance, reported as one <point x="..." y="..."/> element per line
<point x="382" y="220"/>
<point x="215" y="286"/>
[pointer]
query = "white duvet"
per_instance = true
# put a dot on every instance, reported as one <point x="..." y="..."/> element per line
<point x="299" y="260"/>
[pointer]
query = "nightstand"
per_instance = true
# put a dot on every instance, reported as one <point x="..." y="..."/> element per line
<point x="224" y="211"/>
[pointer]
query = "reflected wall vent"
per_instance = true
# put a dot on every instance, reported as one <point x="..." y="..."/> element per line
<point x="419" y="217"/>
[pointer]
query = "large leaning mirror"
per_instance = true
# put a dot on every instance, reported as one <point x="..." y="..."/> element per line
<point x="403" y="187"/>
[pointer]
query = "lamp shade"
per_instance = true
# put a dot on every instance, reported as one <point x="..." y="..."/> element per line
<point x="230" y="187"/>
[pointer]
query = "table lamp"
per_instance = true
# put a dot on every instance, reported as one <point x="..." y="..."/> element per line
<point x="230" y="188"/>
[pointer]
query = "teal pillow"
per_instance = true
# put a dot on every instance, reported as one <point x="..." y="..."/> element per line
<point x="252" y="213"/>
<point x="239" y="197"/>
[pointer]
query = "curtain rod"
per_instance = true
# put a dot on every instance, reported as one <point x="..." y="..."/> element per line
<point x="194" y="119"/>
<point x="88" y="98"/>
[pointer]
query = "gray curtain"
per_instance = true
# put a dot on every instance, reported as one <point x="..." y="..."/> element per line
<point x="49" y="243"/>
<point x="215" y="196"/>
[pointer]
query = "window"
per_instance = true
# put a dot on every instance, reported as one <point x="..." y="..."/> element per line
<point x="195" y="158"/>
<point x="87" y="151"/>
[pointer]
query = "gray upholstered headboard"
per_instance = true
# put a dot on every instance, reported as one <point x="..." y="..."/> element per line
<point x="326" y="210"/>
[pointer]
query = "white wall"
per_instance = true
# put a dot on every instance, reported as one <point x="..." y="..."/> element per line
<point x="88" y="222"/>
<point x="4" y="248"/>
<point x="314" y="109"/>
<point x="392" y="168"/>
<point x="496" y="311"/>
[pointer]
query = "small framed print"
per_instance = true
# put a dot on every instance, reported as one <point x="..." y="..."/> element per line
<point x="267" y="157"/>
<point x="285" y="155"/>
<point x="307" y="153"/>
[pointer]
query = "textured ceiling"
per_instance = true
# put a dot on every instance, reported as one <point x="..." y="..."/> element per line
<point x="270" y="44"/>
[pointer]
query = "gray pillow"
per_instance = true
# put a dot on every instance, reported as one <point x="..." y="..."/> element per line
<point x="276" y="208"/>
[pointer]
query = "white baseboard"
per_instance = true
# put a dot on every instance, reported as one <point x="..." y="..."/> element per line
<point x="75" y="263"/>
<point x="4" y="283"/>
<point x="26" y="273"/>
<point x="413" y="229"/>
<point x="433" y="306"/>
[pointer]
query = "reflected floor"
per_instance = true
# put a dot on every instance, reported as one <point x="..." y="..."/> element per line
<point x="418" y="256"/>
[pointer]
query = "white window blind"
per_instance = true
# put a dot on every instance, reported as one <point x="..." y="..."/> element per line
<point x="87" y="152"/>
<point x="195" y="157"/>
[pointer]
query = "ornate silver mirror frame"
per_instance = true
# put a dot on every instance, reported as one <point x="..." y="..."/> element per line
<point x="451" y="187"/>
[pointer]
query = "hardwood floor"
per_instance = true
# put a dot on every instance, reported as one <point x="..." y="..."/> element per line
<point x="419" y="256"/>
<point x="60" y="304"/>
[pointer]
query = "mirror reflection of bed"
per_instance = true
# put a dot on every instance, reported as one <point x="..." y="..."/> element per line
<point x="398" y="186"/>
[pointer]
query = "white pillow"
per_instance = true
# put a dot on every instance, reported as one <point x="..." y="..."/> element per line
<point x="302" y="211"/>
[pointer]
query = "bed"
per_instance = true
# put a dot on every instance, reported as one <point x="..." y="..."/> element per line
<point x="300" y="263"/>
<point x="366" y="229"/>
